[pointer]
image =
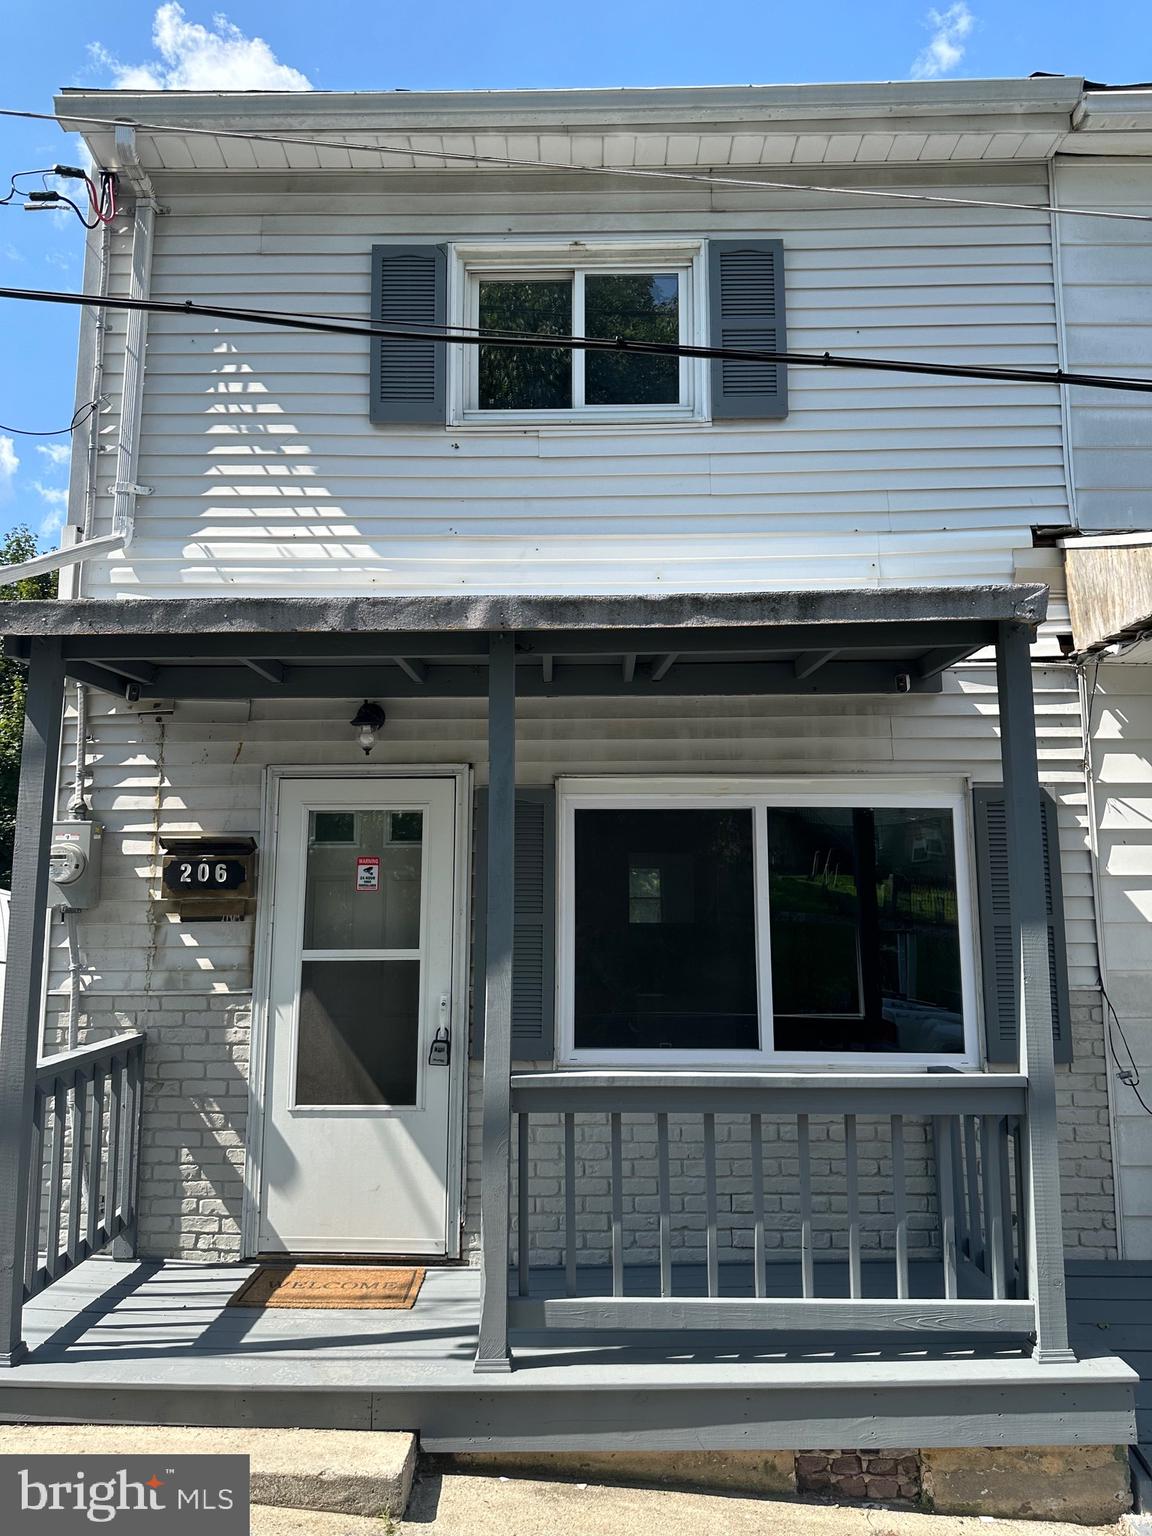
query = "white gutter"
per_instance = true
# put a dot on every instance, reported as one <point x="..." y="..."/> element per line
<point x="125" y="489"/>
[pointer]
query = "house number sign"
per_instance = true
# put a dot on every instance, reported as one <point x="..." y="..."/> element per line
<point x="205" y="873"/>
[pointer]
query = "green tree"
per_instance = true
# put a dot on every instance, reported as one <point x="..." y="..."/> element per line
<point x="19" y="544"/>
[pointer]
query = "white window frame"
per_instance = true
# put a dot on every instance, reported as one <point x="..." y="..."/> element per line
<point x="562" y="258"/>
<point x="758" y="795"/>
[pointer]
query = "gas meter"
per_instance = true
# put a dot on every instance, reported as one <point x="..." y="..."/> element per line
<point x="74" y="864"/>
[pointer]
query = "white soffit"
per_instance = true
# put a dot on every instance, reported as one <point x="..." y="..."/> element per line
<point x="739" y="126"/>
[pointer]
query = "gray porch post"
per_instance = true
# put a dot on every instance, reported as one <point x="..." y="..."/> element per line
<point x="1034" y="994"/>
<point x="20" y="1031"/>
<point x="492" y="1353"/>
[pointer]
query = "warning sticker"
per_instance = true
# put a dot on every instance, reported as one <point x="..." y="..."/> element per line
<point x="368" y="872"/>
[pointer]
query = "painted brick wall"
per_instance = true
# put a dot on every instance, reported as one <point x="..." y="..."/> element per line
<point x="1086" y="1172"/>
<point x="193" y="1117"/>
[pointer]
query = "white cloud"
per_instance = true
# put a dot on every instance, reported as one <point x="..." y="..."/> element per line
<point x="56" y="501"/>
<point x="55" y="453"/>
<point x="9" y="464"/>
<point x="199" y="58"/>
<point x="945" y="50"/>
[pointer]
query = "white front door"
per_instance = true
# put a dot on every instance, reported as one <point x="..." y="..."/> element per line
<point x="360" y="1050"/>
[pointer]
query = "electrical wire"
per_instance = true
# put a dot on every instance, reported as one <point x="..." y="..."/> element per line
<point x="646" y="173"/>
<point x="102" y="203"/>
<point x="80" y="416"/>
<point x="367" y="328"/>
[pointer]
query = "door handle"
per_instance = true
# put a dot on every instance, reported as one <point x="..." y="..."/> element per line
<point x="440" y="1052"/>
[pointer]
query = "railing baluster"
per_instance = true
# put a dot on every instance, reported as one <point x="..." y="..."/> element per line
<point x="115" y="1126"/>
<point x="852" y="1183"/>
<point x="130" y="1175"/>
<point x="78" y="1119"/>
<point x="1022" y="1216"/>
<point x="946" y="1192"/>
<point x="35" y="1193"/>
<point x="710" y="1204"/>
<point x="990" y="1166"/>
<point x="900" y="1207"/>
<point x="95" y="1159"/>
<point x="664" y="1173"/>
<point x="1004" y="1128"/>
<point x="617" y="1209"/>
<point x="972" y="1187"/>
<point x="523" y="1239"/>
<point x="756" y="1135"/>
<point x="570" y="1203"/>
<point x="804" y="1154"/>
<point x="56" y="1176"/>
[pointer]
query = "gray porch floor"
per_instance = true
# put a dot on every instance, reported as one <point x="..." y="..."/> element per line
<point x="134" y="1342"/>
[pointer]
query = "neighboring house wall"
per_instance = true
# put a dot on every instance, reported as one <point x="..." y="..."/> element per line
<point x="1121" y="748"/>
<point x="202" y="769"/>
<point x="1106" y="287"/>
<point x="267" y="477"/>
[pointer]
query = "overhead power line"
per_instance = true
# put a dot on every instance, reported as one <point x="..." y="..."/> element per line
<point x="79" y="417"/>
<point x="476" y="338"/>
<point x="643" y="172"/>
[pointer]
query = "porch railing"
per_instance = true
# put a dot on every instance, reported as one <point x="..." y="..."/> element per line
<point x="889" y="1203"/>
<point x="85" y="1135"/>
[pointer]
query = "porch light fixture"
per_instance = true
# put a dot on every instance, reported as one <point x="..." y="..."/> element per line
<point x="368" y="720"/>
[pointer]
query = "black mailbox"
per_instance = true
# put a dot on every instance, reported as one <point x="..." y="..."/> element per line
<point x="217" y="872"/>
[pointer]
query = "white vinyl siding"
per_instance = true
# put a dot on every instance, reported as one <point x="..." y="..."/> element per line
<point x="267" y="476"/>
<point x="1106" y="286"/>
<point x="1121" y="749"/>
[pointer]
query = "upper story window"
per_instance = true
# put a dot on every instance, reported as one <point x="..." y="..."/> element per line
<point x="728" y="294"/>
<point x="626" y="292"/>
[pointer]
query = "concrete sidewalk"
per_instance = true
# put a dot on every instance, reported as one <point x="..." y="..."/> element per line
<point x="460" y="1505"/>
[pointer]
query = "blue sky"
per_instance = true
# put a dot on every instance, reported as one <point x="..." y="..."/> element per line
<point x="375" y="45"/>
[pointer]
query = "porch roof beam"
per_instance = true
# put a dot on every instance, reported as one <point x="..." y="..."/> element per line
<point x="663" y="665"/>
<point x="461" y="681"/>
<point x="811" y="661"/>
<point x="897" y="635"/>
<point x="271" y="671"/>
<point x="940" y="658"/>
<point x="411" y="668"/>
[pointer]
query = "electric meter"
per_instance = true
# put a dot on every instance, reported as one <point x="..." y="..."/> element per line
<point x="74" y="864"/>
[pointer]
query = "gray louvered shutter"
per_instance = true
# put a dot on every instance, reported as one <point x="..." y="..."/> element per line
<point x="997" y="950"/>
<point x="409" y="288"/>
<point x="534" y="936"/>
<point x="746" y="299"/>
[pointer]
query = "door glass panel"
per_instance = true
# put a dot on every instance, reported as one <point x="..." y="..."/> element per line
<point x="362" y="884"/>
<point x="358" y="1032"/>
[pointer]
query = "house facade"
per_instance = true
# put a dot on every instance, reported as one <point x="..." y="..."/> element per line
<point x="618" y="812"/>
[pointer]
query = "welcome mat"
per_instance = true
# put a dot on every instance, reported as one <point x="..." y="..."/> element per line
<point x="334" y="1286"/>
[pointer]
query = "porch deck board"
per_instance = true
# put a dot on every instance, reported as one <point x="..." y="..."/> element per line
<point x="126" y="1342"/>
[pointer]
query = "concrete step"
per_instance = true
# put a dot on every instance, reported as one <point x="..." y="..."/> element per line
<point x="344" y="1471"/>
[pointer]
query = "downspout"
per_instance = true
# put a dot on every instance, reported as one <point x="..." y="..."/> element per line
<point x="125" y="488"/>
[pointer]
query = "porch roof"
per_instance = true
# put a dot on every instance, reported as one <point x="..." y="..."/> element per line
<point x="864" y="640"/>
